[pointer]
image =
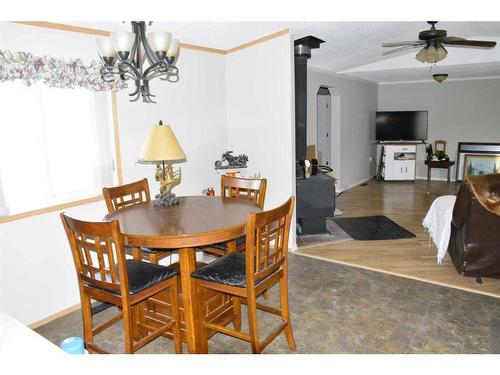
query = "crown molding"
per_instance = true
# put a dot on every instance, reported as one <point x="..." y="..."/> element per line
<point x="340" y="75"/>
<point x="194" y="47"/>
<point x="482" y="78"/>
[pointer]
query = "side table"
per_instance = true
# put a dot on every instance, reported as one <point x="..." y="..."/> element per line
<point x="442" y="164"/>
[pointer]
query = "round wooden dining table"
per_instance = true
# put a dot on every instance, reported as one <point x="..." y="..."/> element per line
<point x="196" y="221"/>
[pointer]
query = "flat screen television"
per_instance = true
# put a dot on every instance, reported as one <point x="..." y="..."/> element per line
<point x="401" y="126"/>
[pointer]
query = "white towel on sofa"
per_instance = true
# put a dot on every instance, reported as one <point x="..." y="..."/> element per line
<point x="438" y="222"/>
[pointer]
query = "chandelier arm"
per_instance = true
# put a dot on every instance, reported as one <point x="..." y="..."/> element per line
<point x="137" y="88"/>
<point x="135" y="45"/>
<point x="153" y="59"/>
<point x="147" y="99"/>
<point x="128" y="76"/>
<point x="129" y="67"/>
<point x="175" y="71"/>
<point x="137" y="94"/>
<point x="172" y="78"/>
<point x="156" y="67"/>
<point x="156" y="75"/>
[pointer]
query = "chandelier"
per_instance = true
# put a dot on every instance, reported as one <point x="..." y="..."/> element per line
<point x="124" y="53"/>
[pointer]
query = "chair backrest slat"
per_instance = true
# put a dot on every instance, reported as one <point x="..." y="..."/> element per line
<point x="247" y="188"/>
<point x="267" y="241"/>
<point x="126" y="195"/>
<point x="98" y="253"/>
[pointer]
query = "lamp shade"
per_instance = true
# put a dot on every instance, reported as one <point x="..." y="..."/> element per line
<point x="122" y="41"/>
<point x="161" y="145"/>
<point x="431" y="54"/>
<point x="422" y="55"/>
<point x="105" y="48"/>
<point x="173" y="49"/>
<point x="159" y="41"/>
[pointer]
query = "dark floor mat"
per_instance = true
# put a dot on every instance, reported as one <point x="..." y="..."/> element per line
<point x="372" y="228"/>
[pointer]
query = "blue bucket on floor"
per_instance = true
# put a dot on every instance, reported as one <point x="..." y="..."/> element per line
<point x="73" y="345"/>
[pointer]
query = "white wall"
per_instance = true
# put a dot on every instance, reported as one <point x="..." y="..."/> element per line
<point x="260" y="115"/>
<point x="194" y="107"/>
<point x="459" y="111"/>
<point x="37" y="274"/>
<point x="352" y="128"/>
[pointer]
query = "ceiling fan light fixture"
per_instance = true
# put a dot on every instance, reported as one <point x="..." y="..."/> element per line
<point x="440" y="77"/>
<point x="432" y="54"/>
<point x="441" y="52"/>
<point x="422" y="55"/>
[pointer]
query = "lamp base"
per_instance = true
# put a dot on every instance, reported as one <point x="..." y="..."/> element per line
<point x="165" y="200"/>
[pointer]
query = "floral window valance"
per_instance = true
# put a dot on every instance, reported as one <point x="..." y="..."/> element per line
<point x="54" y="72"/>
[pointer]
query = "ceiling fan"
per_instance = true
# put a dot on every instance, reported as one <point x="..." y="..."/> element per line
<point x="432" y="41"/>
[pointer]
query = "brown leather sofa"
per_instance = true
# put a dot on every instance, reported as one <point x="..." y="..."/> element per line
<point x="474" y="245"/>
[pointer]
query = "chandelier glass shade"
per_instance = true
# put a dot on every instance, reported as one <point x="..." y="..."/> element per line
<point x="432" y="53"/>
<point x="124" y="53"/>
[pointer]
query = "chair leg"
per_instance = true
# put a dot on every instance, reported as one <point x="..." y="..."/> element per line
<point x="87" y="320"/>
<point x="252" y="324"/>
<point x="174" y="298"/>
<point x="285" y="313"/>
<point x="137" y="318"/>
<point x="128" y="329"/>
<point x="154" y="258"/>
<point x="237" y="313"/>
<point x="136" y="253"/>
<point x="202" y="330"/>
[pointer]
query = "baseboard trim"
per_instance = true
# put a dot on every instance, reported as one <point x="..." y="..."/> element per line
<point x="471" y="290"/>
<point x="55" y="316"/>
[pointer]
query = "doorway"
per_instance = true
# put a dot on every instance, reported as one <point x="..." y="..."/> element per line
<point x="324" y="127"/>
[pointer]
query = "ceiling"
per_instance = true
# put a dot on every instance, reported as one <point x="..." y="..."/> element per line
<point x="351" y="48"/>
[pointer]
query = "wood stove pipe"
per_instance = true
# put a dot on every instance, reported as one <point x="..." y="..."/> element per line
<point x="303" y="48"/>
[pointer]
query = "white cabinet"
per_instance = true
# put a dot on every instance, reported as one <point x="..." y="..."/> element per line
<point x="399" y="162"/>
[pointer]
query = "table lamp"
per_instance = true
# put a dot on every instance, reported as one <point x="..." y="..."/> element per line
<point x="162" y="148"/>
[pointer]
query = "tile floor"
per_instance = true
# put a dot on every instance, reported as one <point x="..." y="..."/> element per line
<point x="342" y="309"/>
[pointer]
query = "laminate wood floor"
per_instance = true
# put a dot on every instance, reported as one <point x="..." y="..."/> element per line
<point x="406" y="203"/>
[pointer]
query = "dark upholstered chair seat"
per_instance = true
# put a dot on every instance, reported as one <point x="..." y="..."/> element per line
<point x="143" y="275"/>
<point x="227" y="270"/>
<point x="223" y="245"/>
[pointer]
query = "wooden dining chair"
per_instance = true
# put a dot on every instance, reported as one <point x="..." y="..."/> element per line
<point x="235" y="187"/>
<point x="104" y="274"/>
<point x="247" y="275"/>
<point x="248" y="188"/>
<point x="122" y="196"/>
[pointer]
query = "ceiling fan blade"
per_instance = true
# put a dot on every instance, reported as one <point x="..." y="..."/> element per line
<point x="400" y="49"/>
<point x="447" y="39"/>
<point x="399" y="44"/>
<point x="470" y="43"/>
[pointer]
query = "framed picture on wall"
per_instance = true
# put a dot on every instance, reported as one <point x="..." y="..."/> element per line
<point x="479" y="157"/>
<point x="481" y="164"/>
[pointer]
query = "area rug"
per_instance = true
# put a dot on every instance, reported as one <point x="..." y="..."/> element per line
<point x="335" y="234"/>
<point x="370" y="228"/>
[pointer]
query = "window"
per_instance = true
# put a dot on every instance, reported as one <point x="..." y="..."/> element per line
<point x="56" y="146"/>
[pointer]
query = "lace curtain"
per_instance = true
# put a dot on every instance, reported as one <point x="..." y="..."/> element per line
<point x="54" y="72"/>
